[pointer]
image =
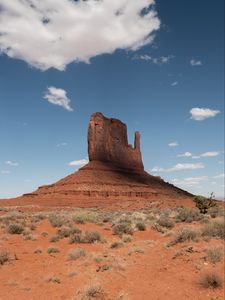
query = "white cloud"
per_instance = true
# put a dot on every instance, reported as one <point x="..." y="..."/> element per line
<point x="58" y="97"/>
<point x="200" y="114"/>
<point x="174" y="83"/>
<point x="189" y="181"/>
<point x="11" y="163"/>
<point x="155" y="60"/>
<point x="173" y="144"/>
<point x="179" y="167"/>
<point x="5" y="172"/>
<point x="77" y="163"/>
<point x="220" y="176"/>
<point x="207" y="154"/>
<point x="195" y="62"/>
<point x="185" y="154"/>
<point x="55" y="33"/>
<point x="63" y="144"/>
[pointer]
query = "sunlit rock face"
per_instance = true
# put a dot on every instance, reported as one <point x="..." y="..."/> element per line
<point x="108" y="142"/>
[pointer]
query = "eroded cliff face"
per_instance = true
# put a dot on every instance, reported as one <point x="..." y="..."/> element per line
<point x="108" y="142"/>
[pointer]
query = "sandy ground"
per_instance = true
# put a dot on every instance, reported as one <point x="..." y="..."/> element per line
<point x="142" y="269"/>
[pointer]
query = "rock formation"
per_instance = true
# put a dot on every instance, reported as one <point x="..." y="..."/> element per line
<point x="107" y="142"/>
<point x="114" y="174"/>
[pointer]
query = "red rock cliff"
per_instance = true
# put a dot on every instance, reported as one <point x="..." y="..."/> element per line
<point x="107" y="142"/>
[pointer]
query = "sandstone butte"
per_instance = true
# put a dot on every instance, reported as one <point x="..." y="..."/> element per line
<point x="114" y="177"/>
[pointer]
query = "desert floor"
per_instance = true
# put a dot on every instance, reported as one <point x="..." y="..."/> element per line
<point x="68" y="254"/>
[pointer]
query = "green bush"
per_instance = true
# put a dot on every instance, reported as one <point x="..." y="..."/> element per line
<point x="52" y="250"/>
<point x="203" y="203"/>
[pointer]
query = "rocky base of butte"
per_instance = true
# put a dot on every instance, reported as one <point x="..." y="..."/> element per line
<point x="115" y="172"/>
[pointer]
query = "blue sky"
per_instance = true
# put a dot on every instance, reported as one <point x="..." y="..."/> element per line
<point x="160" y="69"/>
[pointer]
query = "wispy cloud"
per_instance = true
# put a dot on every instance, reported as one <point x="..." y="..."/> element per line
<point x="189" y="181"/>
<point x="11" y="163"/>
<point x="63" y="144"/>
<point x="5" y="172"/>
<point x="58" y="96"/>
<point x="207" y="154"/>
<point x="77" y="163"/>
<point x="200" y="114"/>
<point x="174" y="83"/>
<point x="173" y="144"/>
<point x="185" y="154"/>
<point x="195" y="62"/>
<point x="67" y="31"/>
<point x="220" y="176"/>
<point x="155" y="60"/>
<point x="179" y="167"/>
<point x="202" y="155"/>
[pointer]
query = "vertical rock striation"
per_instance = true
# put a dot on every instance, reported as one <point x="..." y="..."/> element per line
<point x="108" y="142"/>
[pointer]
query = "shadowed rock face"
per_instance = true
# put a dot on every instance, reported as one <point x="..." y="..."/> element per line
<point x="107" y="142"/>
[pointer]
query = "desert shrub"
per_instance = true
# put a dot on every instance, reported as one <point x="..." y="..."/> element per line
<point x="121" y="228"/>
<point x="214" y="253"/>
<point x="188" y="215"/>
<point x="44" y="233"/>
<point x="116" y="245"/>
<point x="91" y="237"/>
<point x="141" y="226"/>
<point x="127" y="239"/>
<point x="165" y="221"/>
<point x="75" y="254"/>
<point x="38" y="251"/>
<point x="214" y="211"/>
<point x="184" y="234"/>
<point x="216" y="228"/>
<point x="94" y="292"/>
<point x="56" y="220"/>
<point x="16" y="228"/>
<point x="204" y="204"/>
<point x="64" y="232"/>
<point x="54" y="239"/>
<point x="54" y="279"/>
<point x="75" y="238"/>
<point x="211" y="280"/>
<point x="52" y="250"/>
<point x="29" y="237"/>
<point x="88" y="216"/>
<point x="88" y="237"/>
<point x="4" y="257"/>
<point x="31" y="226"/>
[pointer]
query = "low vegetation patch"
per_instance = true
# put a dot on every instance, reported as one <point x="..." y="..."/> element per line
<point x="16" y="228"/>
<point x="211" y="280"/>
<point x="214" y="253"/>
<point x="116" y="245"/>
<point x="75" y="254"/>
<point x="184" y="234"/>
<point x="88" y="237"/>
<point x="122" y="228"/>
<point x="4" y="257"/>
<point x="52" y="250"/>
<point x="185" y="214"/>
<point x="94" y="292"/>
<point x="141" y="226"/>
<point x="56" y="220"/>
<point x="216" y="228"/>
<point x="165" y="221"/>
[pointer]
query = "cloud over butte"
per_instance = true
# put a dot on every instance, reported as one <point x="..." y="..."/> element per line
<point x="55" y="33"/>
